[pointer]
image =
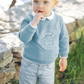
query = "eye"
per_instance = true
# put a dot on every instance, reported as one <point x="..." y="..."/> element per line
<point x="45" y="2"/>
<point x="36" y="1"/>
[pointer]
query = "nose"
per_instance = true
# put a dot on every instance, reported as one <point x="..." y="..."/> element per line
<point x="40" y="6"/>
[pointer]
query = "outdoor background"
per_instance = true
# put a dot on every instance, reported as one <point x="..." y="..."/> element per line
<point x="12" y="13"/>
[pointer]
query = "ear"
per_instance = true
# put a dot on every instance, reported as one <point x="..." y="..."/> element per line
<point x="55" y="4"/>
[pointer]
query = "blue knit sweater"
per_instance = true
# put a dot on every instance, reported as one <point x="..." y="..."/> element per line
<point x="43" y="43"/>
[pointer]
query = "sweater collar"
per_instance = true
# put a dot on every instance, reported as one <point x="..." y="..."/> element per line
<point x="49" y="17"/>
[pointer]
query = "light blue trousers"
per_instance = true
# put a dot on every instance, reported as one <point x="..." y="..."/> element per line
<point x="31" y="72"/>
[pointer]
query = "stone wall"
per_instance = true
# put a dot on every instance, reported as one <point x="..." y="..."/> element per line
<point x="10" y="45"/>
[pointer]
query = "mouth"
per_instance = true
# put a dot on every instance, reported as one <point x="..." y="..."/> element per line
<point x="40" y="11"/>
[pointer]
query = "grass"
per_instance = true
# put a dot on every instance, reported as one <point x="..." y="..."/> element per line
<point x="74" y="74"/>
<point x="14" y="81"/>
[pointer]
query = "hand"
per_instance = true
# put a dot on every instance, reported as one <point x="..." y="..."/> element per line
<point x="63" y="64"/>
<point x="36" y="18"/>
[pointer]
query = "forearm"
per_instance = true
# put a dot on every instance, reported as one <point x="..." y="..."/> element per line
<point x="26" y="32"/>
<point x="63" y="41"/>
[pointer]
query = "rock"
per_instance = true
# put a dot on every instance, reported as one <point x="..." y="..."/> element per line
<point x="11" y="48"/>
<point x="10" y="40"/>
<point x="80" y="1"/>
<point x="59" y="75"/>
<point x="7" y="73"/>
<point x="16" y="76"/>
<point x="69" y="22"/>
<point x="4" y="52"/>
<point x="5" y="77"/>
<point x="73" y="45"/>
<point x="5" y="31"/>
<point x="2" y="76"/>
<point x="17" y="50"/>
<point x="4" y="62"/>
<point x="78" y="15"/>
<point x="7" y="42"/>
<point x="76" y="35"/>
<point x="17" y="59"/>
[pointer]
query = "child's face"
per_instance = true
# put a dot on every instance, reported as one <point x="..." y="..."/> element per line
<point x="44" y="5"/>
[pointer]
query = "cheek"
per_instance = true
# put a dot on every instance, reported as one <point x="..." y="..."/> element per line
<point x="46" y="10"/>
<point x="34" y="7"/>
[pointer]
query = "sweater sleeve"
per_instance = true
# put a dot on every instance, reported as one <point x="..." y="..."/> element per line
<point x="26" y="31"/>
<point x="63" y="41"/>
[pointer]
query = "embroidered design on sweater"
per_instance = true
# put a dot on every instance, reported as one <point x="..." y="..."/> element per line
<point x="48" y="40"/>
